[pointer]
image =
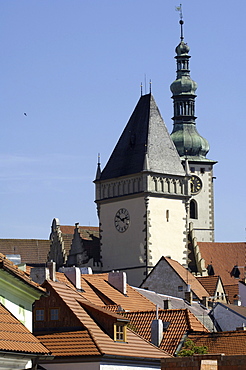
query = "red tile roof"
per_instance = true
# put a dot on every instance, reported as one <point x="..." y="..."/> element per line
<point x="132" y="301"/>
<point x="223" y="257"/>
<point x="96" y="289"/>
<point x="232" y="292"/>
<point x="15" y="337"/>
<point x="229" y="343"/>
<point x="31" y="250"/>
<point x="181" y="321"/>
<point x="209" y="283"/>
<point x="96" y="339"/>
<point x="74" y="343"/>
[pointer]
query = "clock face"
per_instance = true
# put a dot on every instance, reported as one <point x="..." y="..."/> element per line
<point x="122" y="220"/>
<point x="196" y="184"/>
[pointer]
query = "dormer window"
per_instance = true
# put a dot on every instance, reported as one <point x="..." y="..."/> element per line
<point x="120" y="332"/>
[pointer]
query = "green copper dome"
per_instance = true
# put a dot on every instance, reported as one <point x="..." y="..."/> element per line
<point x="188" y="142"/>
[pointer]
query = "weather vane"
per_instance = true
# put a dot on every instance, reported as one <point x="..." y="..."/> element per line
<point x="179" y="9"/>
<point x="181" y="22"/>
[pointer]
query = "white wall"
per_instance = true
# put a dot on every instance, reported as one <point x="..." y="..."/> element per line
<point x="98" y="366"/>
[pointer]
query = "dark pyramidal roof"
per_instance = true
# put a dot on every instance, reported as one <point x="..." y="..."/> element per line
<point x="145" y="145"/>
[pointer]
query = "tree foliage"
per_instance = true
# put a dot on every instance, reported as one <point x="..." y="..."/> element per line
<point x="189" y="349"/>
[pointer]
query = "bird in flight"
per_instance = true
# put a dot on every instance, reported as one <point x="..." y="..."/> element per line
<point x="25" y="114"/>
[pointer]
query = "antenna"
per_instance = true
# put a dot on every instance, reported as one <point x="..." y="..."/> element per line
<point x="145" y="82"/>
<point x="141" y="89"/>
<point x="181" y="22"/>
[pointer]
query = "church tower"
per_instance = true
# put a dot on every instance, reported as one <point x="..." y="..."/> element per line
<point x="192" y="147"/>
<point x="142" y="195"/>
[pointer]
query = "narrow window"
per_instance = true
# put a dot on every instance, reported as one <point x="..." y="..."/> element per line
<point x="167" y="215"/>
<point x="193" y="209"/>
<point x="54" y="314"/>
<point x="180" y="288"/>
<point x="202" y="170"/>
<point x="192" y="169"/>
<point x="39" y="315"/>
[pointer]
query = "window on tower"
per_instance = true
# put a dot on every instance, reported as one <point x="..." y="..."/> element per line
<point x="193" y="209"/>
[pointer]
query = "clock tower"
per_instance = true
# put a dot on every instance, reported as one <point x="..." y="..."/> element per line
<point x="192" y="147"/>
<point x="142" y="196"/>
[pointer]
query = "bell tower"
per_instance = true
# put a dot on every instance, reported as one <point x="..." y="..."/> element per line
<point x="142" y="195"/>
<point x="192" y="146"/>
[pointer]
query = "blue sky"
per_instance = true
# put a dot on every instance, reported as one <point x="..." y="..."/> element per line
<point x="75" y="68"/>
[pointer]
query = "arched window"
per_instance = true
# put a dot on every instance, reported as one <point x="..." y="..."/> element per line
<point x="193" y="209"/>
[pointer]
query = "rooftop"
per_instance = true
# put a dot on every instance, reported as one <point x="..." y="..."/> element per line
<point x="15" y="337"/>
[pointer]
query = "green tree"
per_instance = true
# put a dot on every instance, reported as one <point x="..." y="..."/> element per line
<point x="189" y="349"/>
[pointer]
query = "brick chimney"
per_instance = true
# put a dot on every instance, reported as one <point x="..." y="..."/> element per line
<point x="73" y="274"/>
<point x="118" y="280"/>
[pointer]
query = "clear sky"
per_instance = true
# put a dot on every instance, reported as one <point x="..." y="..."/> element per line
<point x="75" y="68"/>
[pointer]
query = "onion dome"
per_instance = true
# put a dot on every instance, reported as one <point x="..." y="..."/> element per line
<point x="185" y="135"/>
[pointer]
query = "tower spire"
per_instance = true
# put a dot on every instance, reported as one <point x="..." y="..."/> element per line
<point x="184" y="135"/>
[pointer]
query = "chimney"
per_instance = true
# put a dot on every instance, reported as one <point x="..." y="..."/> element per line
<point x="39" y="274"/>
<point x="204" y="301"/>
<point x="73" y="274"/>
<point x="188" y="294"/>
<point x="167" y="304"/>
<point x="52" y="270"/>
<point x="156" y="332"/>
<point x="118" y="280"/>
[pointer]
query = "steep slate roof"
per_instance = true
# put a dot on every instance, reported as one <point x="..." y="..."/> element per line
<point x="13" y="270"/>
<point x="209" y="283"/>
<point x="99" y="343"/>
<point x="144" y="132"/>
<point x="15" y="337"/>
<point x="224" y="257"/>
<point x="181" y="321"/>
<point x="32" y="251"/>
<point x="228" y="342"/>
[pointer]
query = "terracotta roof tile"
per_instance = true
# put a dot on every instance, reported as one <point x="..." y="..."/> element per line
<point x="180" y="321"/>
<point x="209" y="283"/>
<point x="224" y="257"/>
<point x="229" y="343"/>
<point x="31" y="250"/>
<point x="67" y="229"/>
<point x="132" y="301"/>
<point x="9" y="267"/>
<point x="232" y="292"/>
<point x="188" y="278"/>
<point x="15" y="337"/>
<point x="135" y="346"/>
<point x="75" y="343"/>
